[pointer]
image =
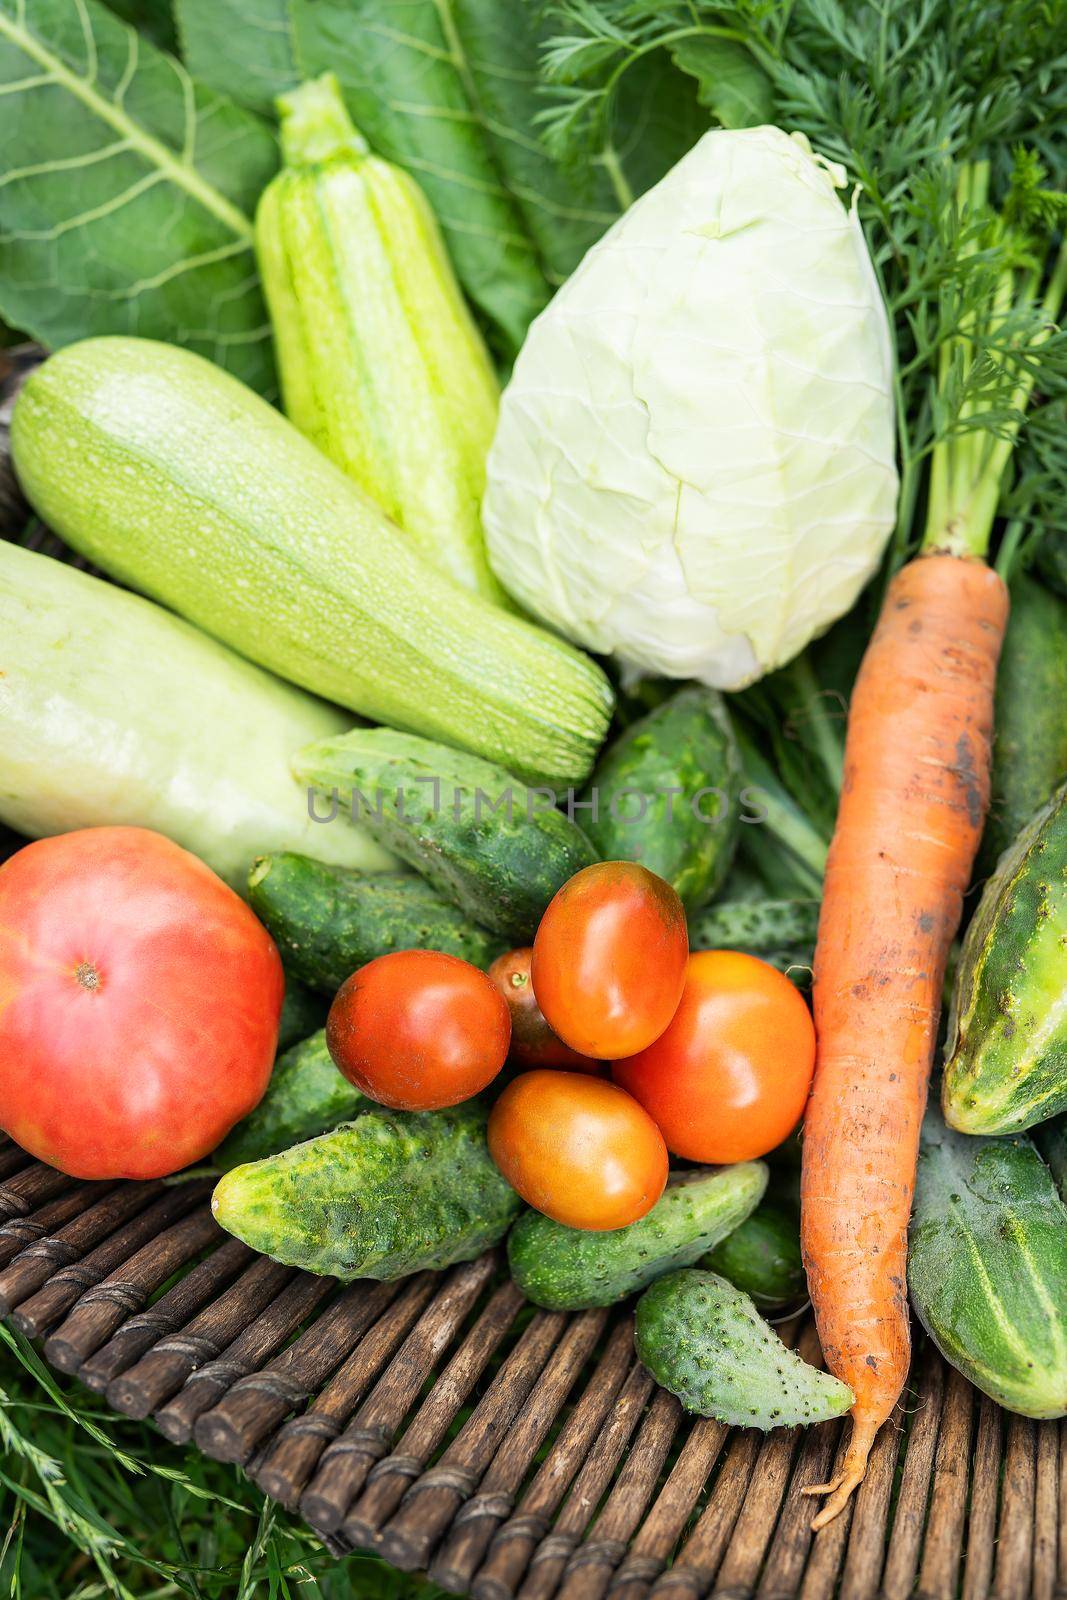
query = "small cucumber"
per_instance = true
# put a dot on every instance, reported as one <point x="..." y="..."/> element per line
<point x="1030" y="748"/>
<point x="568" y="1269"/>
<point x="380" y="1197"/>
<point x="704" y="1340"/>
<point x="1007" y="1053"/>
<point x="306" y="1096"/>
<point x="302" y="1011"/>
<point x="326" y="922"/>
<point x="762" y="1257"/>
<point x="496" y="849"/>
<point x="779" y="931"/>
<point x="666" y="794"/>
<point x="987" y="1266"/>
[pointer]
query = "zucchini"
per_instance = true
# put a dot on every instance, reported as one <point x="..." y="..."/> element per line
<point x="987" y="1266"/>
<point x="327" y="922"/>
<point x="302" y="1011"/>
<point x="569" y="1269"/>
<point x="666" y="794"/>
<point x="114" y="711"/>
<point x="380" y="361"/>
<point x="704" y="1340"/>
<point x="306" y="1096"/>
<point x="494" y="848"/>
<point x="1030" y="747"/>
<point x="1006" y="1067"/>
<point x="381" y="1197"/>
<point x="179" y="481"/>
<point x="781" y="932"/>
<point x="762" y="1257"/>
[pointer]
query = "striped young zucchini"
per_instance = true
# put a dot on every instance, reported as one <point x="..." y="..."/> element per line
<point x="381" y="364"/>
<point x="179" y="481"/>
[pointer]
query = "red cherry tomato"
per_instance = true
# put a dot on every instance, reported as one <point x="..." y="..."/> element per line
<point x="533" y="1044"/>
<point x="729" y="1078"/>
<point x="139" y="1004"/>
<point x="578" y="1148"/>
<point x="417" y="1030"/>
<point x="609" y="959"/>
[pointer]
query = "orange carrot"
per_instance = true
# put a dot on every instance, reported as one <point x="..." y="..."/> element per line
<point x="914" y="796"/>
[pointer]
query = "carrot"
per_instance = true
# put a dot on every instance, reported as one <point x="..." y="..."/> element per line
<point x="914" y="796"/>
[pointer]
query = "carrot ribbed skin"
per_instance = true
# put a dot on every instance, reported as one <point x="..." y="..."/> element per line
<point x="913" y="801"/>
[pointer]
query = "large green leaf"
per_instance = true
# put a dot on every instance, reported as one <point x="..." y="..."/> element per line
<point x="244" y="48"/>
<point x="126" y="191"/>
<point x="153" y="18"/>
<point x="731" y="82"/>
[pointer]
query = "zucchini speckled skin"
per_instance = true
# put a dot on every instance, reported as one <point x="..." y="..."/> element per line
<point x="380" y="1197"/>
<point x="657" y="774"/>
<point x="177" y="480"/>
<point x="326" y="922"/>
<point x="1007" y="1055"/>
<point x="306" y="1096"/>
<point x="987" y="1266"/>
<point x="434" y="807"/>
<point x="568" y="1269"/>
<point x="1030" y="747"/>
<point x="762" y="1256"/>
<point x="704" y="1340"/>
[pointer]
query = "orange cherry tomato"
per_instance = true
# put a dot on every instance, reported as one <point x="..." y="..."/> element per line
<point x="418" y="1029"/>
<point x="609" y="959"/>
<point x="729" y="1078"/>
<point x="578" y="1148"/>
<point x="533" y="1044"/>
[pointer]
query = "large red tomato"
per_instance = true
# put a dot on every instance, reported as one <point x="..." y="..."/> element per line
<point x="609" y="959"/>
<point x="418" y="1030"/>
<point x="139" y="1004"/>
<point x="729" y="1078"/>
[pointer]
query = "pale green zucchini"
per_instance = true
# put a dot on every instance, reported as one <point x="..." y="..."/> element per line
<point x="114" y="711"/>
<point x="179" y="481"/>
<point x="380" y="360"/>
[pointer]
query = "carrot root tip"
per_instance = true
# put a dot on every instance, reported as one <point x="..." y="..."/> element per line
<point x="853" y="1469"/>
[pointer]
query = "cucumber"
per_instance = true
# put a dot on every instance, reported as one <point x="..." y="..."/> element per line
<point x="704" y="1340"/>
<point x="306" y="1096"/>
<point x="494" y="848"/>
<point x="987" y="1266"/>
<point x="179" y="481"/>
<point x="381" y="1197"/>
<point x="666" y="794"/>
<point x="1006" y="1067"/>
<point x="327" y="922"/>
<point x="781" y="932"/>
<point x="380" y="360"/>
<point x="568" y="1269"/>
<point x="1030" y="748"/>
<point x="114" y="711"/>
<point x="302" y="1011"/>
<point x="762" y="1257"/>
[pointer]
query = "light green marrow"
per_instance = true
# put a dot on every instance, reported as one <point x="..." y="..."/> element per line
<point x="381" y="364"/>
<point x="568" y="1269"/>
<point x="182" y="483"/>
<point x="114" y="711"/>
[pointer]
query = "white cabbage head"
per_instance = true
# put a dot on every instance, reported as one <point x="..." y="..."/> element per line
<point x="694" y="465"/>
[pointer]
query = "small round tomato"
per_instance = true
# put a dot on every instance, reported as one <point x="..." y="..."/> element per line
<point x="418" y="1029"/>
<point x="533" y="1044"/>
<point x="609" y="959"/>
<point x="577" y="1148"/>
<point x="729" y="1078"/>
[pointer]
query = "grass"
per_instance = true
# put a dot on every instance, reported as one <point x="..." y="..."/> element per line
<point x="94" y="1506"/>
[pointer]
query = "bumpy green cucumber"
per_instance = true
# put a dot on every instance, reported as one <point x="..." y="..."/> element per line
<point x="380" y="1197"/>
<point x="762" y="1256"/>
<point x="1007" y="1054"/>
<point x="987" y="1266"/>
<point x="704" y="1340"/>
<point x="303" y="1011"/>
<point x="326" y="922"/>
<point x="568" y="1269"/>
<point x="666" y="794"/>
<point x="1030" y="749"/>
<point x="306" y="1096"/>
<point x="781" y="932"/>
<point x="496" y="849"/>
